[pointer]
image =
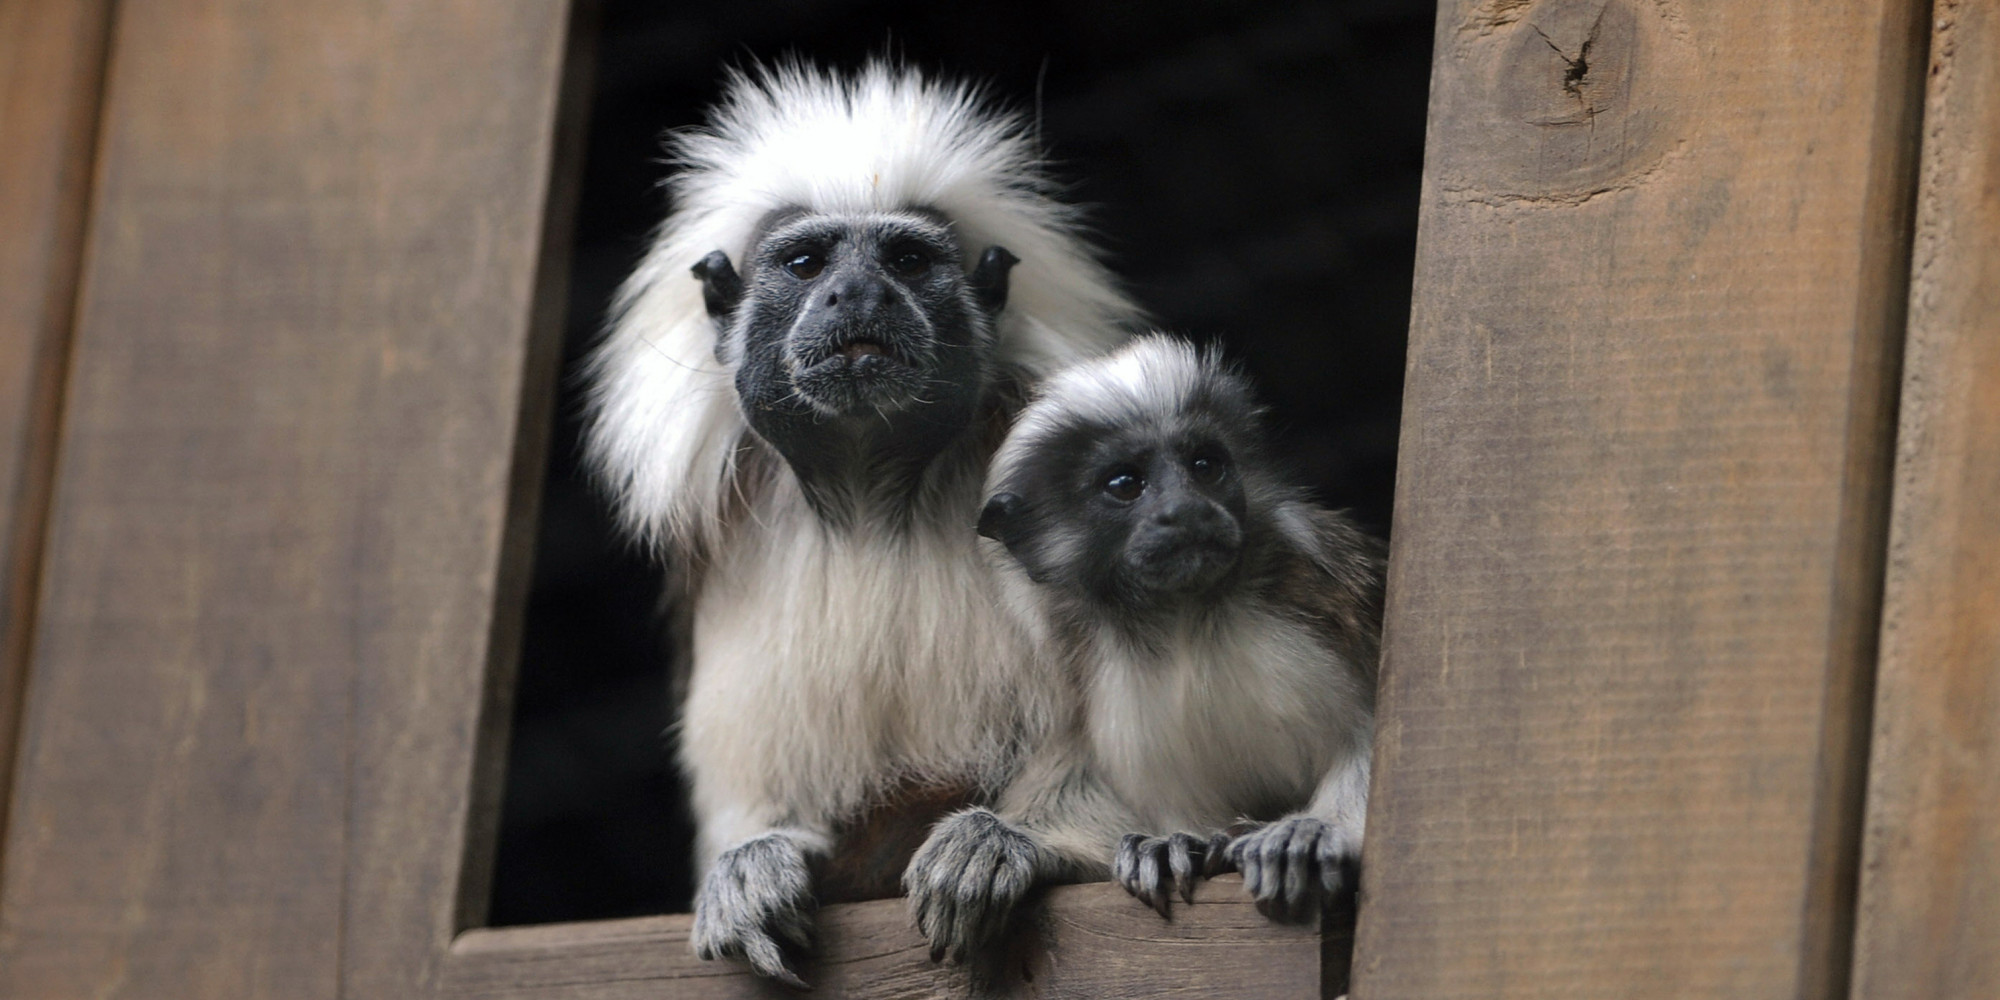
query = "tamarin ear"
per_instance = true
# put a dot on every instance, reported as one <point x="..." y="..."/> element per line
<point x="721" y="288"/>
<point x="989" y="279"/>
<point x="1000" y="518"/>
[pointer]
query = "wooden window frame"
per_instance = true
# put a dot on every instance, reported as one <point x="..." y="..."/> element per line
<point x="1644" y="519"/>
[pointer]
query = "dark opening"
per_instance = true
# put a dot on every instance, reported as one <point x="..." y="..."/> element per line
<point x="1253" y="169"/>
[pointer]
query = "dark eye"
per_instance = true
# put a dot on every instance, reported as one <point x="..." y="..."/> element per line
<point x="806" y="266"/>
<point x="1124" y="487"/>
<point x="1208" y="467"/>
<point x="908" y="262"/>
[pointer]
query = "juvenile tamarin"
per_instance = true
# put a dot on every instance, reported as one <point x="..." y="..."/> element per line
<point x="795" y="404"/>
<point x="1223" y="631"/>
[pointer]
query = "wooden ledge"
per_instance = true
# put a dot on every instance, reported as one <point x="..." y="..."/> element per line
<point x="1076" y="940"/>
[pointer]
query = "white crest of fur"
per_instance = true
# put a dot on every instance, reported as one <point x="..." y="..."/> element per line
<point x="1148" y="380"/>
<point x="664" y="422"/>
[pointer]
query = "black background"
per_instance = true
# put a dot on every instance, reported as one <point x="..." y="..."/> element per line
<point x="1252" y="168"/>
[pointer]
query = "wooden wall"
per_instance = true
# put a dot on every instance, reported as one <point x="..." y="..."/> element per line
<point x="302" y="354"/>
<point x="275" y="347"/>
<point x="1641" y="502"/>
<point x="1930" y="885"/>
<point x="52" y="56"/>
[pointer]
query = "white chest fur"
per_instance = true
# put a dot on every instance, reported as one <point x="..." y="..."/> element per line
<point x="829" y="664"/>
<point x="1240" y="715"/>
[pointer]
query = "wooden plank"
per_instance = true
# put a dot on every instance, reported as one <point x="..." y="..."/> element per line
<point x="52" y="55"/>
<point x="1930" y="884"/>
<point x="288" y="452"/>
<point x="1641" y="499"/>
<point x="1090" y="941"/>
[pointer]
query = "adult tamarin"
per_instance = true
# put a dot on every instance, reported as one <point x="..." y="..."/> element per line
<point x="1223" y="630"/>
<point x="796" y="402"/>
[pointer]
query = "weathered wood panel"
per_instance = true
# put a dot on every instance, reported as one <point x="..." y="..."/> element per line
<point x="52" y="56"/>
<point x="1930" y="888"/>
<point x="1085" y="941"/>
<point x="1642" y="497"/>
<point x="287" y="457"/>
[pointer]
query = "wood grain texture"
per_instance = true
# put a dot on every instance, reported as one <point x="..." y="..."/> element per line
<point x="1641" y="499"/>
<point x="52" y="55"/>
<point x="1083" y="941"/>
<point x="1930" y="890"/>
<point x="288" y="449"/>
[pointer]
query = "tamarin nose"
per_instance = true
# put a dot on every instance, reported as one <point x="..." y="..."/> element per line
<point x="1176" y="515"/>
<point x="862" y="294"/>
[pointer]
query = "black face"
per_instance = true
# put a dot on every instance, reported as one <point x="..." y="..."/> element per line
<point x="850" y="318"/>
<point x="1135" y="520"/>
<point x="857" y="331"/>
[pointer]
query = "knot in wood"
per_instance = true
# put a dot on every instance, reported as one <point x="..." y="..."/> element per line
<point x="1572" y="98"/>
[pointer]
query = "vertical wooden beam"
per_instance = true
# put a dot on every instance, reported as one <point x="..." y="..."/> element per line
<point x="52" y="55"/>
<point x="1930" y="888"/>
<point x="289" y="452"/>
<point x="1641" y="502"/>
